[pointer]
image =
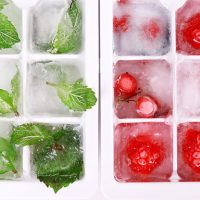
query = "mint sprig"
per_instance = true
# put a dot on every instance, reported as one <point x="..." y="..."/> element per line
<point x="8" y="33"/>
<point x="77" y="97"/>
<point x="58" y="157"/>
<point x="9" y="101"/>
<point x="3" y="3"/>
<point x="8" y="156"/>
<point x="68" y="36"/>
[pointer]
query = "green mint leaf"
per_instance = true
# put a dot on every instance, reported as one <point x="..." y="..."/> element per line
<point x="61" y="163"/>
<point x="8" y="33"/>
<point x="29" y="134"/>
<point x="15" y="83"/>
<point x="6" y="103"/>
<point x="8" y="156"/>
<point x="68" y="36"/>
<point x="3" y="3"/>
<point x="77" y="97"/>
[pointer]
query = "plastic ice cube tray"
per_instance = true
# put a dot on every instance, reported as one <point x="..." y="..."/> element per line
<point x="112" y="189"/>
<point x="28" y="187"/>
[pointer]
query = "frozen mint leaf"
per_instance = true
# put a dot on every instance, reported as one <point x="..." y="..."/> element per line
<point x="15" y="83"/>
<point x="29" y="134"/>
<point x="8" y="156"/>
<point x="77" y="96"/>
<point x="6" y="103"/>
<point x="68" y="36"/>
<point x="61" y="163"/>
<point x="3" y="3"/>
<point x="8" y="33"/>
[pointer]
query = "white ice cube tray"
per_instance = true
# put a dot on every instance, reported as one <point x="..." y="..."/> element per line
<point x="28" y="187"/>
<point x="140" y="191"/>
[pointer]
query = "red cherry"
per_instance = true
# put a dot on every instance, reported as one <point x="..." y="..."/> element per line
<point x="191" y="149"/>
<point x="122" y="1"/>
<point x="151" y="29"/>
<point x="120" y="24"/>
<point x="144" y="154"/>
<point x="146" y="106"/>
<point x="125" y="86"/>
<point x="191" y="31"/>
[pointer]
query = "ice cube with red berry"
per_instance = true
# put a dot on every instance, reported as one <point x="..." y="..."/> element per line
<point x="189" y="151"/>
<point x="142" y="89"/>
<point x="143" y="152"/>
<point x="140" y="28"/>
<point x="188" y="28"/>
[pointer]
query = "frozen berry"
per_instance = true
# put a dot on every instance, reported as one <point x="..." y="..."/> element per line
<point x="151" y="29"/>
<point x="191" y="149"/>
<point x="120" y="24"/>
<point x="122" y="1"/>
<point x="191" y="32"/>
<point x="146" y="106"/>
<point x="125" y="86"/>
<point x="144" y="154"/>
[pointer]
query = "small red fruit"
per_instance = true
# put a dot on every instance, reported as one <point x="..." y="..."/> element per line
<point x="122" y="1"/>
<point x="191" y="32"/>
<point x="120" y="24"/>
<point x="125" y="86"/>
<point x="191" y="149"/>
<point x="144" y="154"/>
<point x="151" y="29"/>
<point x="146" y="106"/>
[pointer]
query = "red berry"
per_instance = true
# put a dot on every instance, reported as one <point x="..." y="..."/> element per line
<point x="191" y="149"/>
<point x="120" y="24"/>
<point x="146" y="106"/>
<point x="151" y="29"/>
<point x="191" y="32"/>
<point x="144" y="154"/>
<point x="125" y="86"/>
<point x="122" y="1"/>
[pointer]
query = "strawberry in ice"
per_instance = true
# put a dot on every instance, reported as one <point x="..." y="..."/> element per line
<point x="140" y="28"/>
<point x="142" y="89"/>
<point x="143" y="152"/>
<point x="189" y="151"/>
<point x="188" y="28"/>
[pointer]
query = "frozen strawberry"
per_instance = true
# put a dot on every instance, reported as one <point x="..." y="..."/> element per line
<point x="125" y="86"/>
<point x="191" y="149"/>
<point x="120" y="24"/>
<point x="191" y="32"/>
<point x="151" y="29"/>
<point x="144" y="155"/>
<point x="146" y="106"/>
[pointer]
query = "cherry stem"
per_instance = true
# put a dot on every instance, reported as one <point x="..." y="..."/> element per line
<point x="132" y="100"/>
<point x="51" y="84"/>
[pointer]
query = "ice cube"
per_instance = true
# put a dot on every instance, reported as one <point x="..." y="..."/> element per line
<point x="187" y="28"/>
<point x="41" y="98"/>
<point x="5" y="130"/>
<point x="188" y="89"/>
<point x="141" y="29"/>
<point x="189" y="151"/>
<point x="143" y="152"/>
<point x="154" y="79"/>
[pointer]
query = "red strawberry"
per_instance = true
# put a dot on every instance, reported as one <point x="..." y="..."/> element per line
<point x="120" y="24"/>
<point x="191" y="32"/>
<point x="144" y="154"/>
<point x="151" y="29"/>
<point x="125" y="86"/>
<point x="146" y="106"/>
<point x="191" y="149"/>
